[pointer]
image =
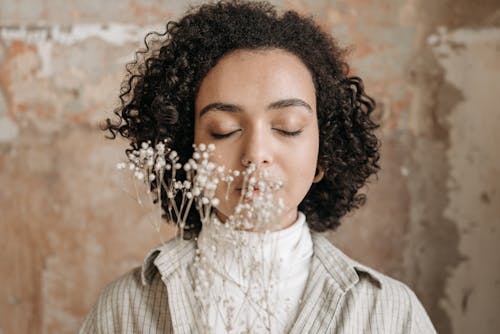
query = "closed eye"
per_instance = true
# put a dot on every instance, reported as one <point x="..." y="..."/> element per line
<point x="289" y="133"/>
<point x="216" y="135"/>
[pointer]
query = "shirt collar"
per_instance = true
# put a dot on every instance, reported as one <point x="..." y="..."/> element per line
<point x="345" y="271"/>
<point x="281" y="254"/>
<point x="167" y="258"/>
<point x="177" y="253"/>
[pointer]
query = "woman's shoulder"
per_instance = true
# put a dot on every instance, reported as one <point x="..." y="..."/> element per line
<point x="138" y="300"/>
<point x="130" y="287"/>
<point x="127" y="305"/>
<point x="349" y="272"/>
<point x="395" y="303"/>
<point x="370" y="294"/>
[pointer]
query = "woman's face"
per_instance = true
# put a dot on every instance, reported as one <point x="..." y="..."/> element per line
<point x="259" y="106"/>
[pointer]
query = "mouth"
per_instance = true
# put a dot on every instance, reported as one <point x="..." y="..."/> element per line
<point x="256" y="187"/>
<point x="254" y="190"/>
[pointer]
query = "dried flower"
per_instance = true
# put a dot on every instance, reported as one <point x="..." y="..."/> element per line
<point x="157" y="168"/>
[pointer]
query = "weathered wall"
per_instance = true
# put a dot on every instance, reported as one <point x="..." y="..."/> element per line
<point x="432" y="218"/>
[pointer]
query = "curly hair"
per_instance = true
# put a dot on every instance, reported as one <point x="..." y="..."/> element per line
<point x="157" y="98"/>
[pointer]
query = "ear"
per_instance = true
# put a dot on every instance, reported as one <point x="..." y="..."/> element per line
<point x="318" y="176"/>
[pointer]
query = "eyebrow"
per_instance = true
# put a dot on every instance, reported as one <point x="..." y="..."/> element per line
<point x="289" y="103"/>
<point x="219" y="106"/>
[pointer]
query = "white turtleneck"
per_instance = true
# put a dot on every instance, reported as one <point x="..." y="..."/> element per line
<point x="249" y="281"/>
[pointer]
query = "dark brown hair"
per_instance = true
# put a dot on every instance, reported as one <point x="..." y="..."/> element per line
<point x="157" y="98"/>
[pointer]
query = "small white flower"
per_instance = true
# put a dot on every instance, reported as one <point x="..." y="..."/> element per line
<point x="202" y="180"/>
<point x="251" y="168"/>
<point x="142" y="154"/>
<point x="160" y="147"/>
<point x="172" y="155"/>
<point x="121" y="165"/>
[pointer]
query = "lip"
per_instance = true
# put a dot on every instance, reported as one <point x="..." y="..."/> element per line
<point x="240" y="189"/>
<point x="256" y="192"/>
<point x="255" y="188"/>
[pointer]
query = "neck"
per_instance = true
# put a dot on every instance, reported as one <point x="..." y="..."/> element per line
<point x="283" y="221"/>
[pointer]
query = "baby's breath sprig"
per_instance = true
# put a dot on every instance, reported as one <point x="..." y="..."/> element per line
<point x="150" y="165"/>
<point x="256" y="210"/>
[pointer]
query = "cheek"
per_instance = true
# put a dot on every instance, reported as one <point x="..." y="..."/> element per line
<point x="198" y="138"/>
<point x="304" y="162"/>
<point x="309" y="150"/>
<point x="303" y="174"/>
<point x="225" y="156"/>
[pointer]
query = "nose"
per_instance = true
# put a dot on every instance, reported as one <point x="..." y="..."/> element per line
<point x="257" y="149"/>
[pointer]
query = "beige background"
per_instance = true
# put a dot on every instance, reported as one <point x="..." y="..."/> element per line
<point x="432" y="219"/>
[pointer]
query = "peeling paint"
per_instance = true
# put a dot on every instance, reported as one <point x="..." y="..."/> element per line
<point x="44" y="37"/>
<point x="444" y="43"/>
<point x="3" y="103"/>
<point x="114" y="33"/>
<point x="45" y="54"/>
<point x="471" y="298"/>
<point x="8" y="130"/>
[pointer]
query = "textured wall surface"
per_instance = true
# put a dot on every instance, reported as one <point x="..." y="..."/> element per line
<point x="69" y="224"/>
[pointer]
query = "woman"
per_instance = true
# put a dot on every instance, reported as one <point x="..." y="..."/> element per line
<point x="270" y="91"/>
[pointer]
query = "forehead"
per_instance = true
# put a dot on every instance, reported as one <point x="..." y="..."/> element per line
<point x="256" y="76"/>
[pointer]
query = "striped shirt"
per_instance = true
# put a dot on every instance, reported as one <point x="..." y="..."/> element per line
<point x="340" y="296"/>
